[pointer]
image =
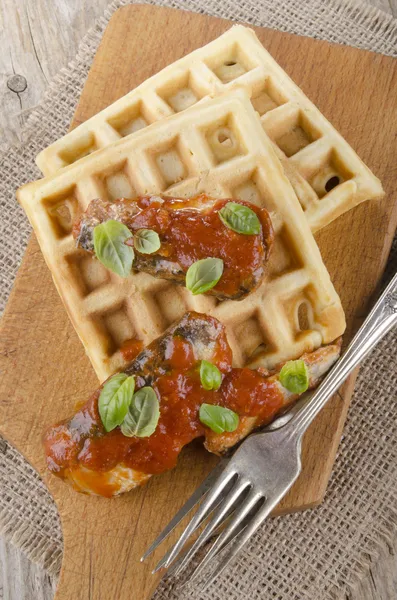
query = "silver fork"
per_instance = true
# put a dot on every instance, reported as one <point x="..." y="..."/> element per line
<point x="243" y="490"/>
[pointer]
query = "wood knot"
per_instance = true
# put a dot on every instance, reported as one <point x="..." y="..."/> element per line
<point x="17" y="83"/>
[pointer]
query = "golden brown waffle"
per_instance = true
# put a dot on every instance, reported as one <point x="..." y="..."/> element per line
<point x="218" y="148"/>
<point x="327" y="175"/>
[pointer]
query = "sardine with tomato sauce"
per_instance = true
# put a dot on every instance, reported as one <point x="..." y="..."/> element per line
<point x="189" y="231"/>
<point x="107" y="463"/>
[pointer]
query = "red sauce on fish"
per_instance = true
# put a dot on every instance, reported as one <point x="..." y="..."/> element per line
<point x="191" y="230"/>
<point x="190" y="235"/>
<point x="130" y="349"/>
<point x="83" y="440"/>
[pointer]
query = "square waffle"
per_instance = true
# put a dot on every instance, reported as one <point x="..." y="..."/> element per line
<point x="327" y="175"/>
<point x="217" y="148"/>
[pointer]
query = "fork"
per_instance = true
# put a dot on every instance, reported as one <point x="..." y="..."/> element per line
<point x="242" y="491"/>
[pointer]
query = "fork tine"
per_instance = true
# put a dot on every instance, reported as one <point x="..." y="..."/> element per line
<point x="161" y="564"/>
<point x="201" y="512"/>
<point x="194" y="499"/>
<point x="163" y="561"/>
<point x="240" y="514"/>
<point x="216" y="520"/>
<point x="257" y="520"/>
<point x="175" y="565"/>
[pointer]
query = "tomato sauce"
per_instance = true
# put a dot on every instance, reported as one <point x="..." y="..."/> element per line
<point x="130" y="349"/>
<point x="83" y="440"/>
<point x="188" y="233"/>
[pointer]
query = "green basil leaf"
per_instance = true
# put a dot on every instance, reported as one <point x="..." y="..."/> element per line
<point x="203" y="275"/>
<point x="218" y="418"/>
<point x="146" y="241"/>
<point x="294" y="376"/>
<point x="110" y="249"/>
<point x="210" y="376"/>
<point x="143" y="414"/>
<point x="114" y="400"/>
<point x="240" y="218"/>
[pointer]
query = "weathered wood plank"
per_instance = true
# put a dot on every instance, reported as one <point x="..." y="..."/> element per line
<point x="37" y="39"/>
<point x="388" y="6"/>
<point x="20" y="579"/>
<point x="381" y="583"/>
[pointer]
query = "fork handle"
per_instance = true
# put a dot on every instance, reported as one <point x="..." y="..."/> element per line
<point x="379" y="322"/>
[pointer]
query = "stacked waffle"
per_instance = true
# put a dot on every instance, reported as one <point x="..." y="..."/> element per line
<point x="225" y="120"/>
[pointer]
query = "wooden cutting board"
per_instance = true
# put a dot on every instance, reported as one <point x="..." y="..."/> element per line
<point x="44" y="369"/>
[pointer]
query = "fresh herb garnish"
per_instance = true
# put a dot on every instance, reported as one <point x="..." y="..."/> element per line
<point x="146" y="241"/>
<point x="203" y="275"/>
<point x="210" y="376"/>
<point x="114" y="400"/>
<point x="240" y="218"/>
<point x="294" y="376"/>
<point x="110" y="249"/>
<point x="218" y="418"/>
<point x="143" y="414"/>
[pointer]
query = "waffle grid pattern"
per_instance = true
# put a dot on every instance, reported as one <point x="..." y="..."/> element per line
<point x="327" y="175"/>
<point x="214" y="148"/>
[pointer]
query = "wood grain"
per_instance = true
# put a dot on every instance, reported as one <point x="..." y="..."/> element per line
<point x="100" y="559"/>
<point x="47" y="36"/>
<point x="388" y="6"/>
<point x="20" y="579"/>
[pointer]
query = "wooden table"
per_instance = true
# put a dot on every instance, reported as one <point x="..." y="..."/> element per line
<point x="40" y="37"/>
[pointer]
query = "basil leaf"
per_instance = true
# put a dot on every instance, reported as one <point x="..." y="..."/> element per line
<point x="240" y="218"/>
<point x="110" y="249"/>
<point x="294" y="376"/>
<point x="143" y="414"/>
<point x="218" y="418"/>
<point x="210" y="376"/>
<point x="114" y="400"/>
<point x="146" y="241"/>
<point x="203" y="275"/>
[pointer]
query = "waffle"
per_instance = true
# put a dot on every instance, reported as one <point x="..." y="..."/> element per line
<point x="217" y="148"/>
<point x="327" y="175"/>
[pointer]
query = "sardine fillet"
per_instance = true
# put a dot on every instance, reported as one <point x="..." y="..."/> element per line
<point x="206" y="336"/>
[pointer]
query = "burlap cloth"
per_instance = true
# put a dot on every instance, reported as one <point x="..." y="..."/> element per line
<point x="322" y="553"/>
